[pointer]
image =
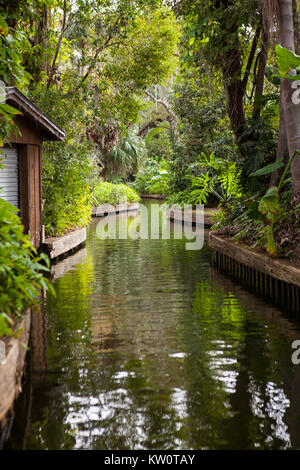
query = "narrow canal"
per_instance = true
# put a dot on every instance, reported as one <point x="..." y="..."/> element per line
<point x="146" y="346"/>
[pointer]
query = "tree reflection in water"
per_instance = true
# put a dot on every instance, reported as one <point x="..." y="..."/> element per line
<point x="147" y="347"/>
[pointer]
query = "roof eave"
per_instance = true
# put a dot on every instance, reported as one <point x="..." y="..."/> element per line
<point x="23" y="104"/>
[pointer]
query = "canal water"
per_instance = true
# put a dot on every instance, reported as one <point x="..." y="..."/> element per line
<point x="147" y="346"/>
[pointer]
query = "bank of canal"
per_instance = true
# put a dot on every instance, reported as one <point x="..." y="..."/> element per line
<point x="147" y="346"/>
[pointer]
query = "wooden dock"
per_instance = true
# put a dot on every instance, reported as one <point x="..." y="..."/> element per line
<point x="271" y="277"/>
<point x="12" y="368"/>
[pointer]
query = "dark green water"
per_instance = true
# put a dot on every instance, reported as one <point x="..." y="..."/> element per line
<point x="146" y="346"/>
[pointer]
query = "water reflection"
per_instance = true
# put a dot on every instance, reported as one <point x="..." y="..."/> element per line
<point x="147" y="347"/>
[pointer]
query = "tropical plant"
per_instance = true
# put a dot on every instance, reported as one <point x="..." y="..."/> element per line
<point x="68" y="177"/>
<point x="10" y="67"/>
<point x="268" y="208"/>
<point x="21" y="271"/>
<point x="265" y="219"/>
<point x="287" y="61"/>
<point x="128" y="155"/>
<point x="153" y="178"/>
<point x="218" y="177"/>
<point x="109" y="193"/>
<point x="201" y="112"/>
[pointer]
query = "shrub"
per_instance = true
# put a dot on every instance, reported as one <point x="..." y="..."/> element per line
<point x="20" y="270"/>
<point x="67" y="188"/>
<point x="109" y="193"/>
<point x="153" y="178"/>
<point x="211" y="180"/>
<point x="266" y="219"/>
<point x="159" y="186"/>
<point x="181" y="198"/>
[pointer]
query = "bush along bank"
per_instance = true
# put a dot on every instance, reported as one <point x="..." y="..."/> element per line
<point x="21" y="271"/>
<point x="110" y="193"/>
<point x="266" y="220"/>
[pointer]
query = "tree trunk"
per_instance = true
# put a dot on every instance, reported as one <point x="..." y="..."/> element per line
<point x="234" y="89"/>
<point x="171" y="117"/>
<point x="40" y="40"/>
<point x="260" y="79"/>
<point x="104" y="169"/>
<point x="282" y="147"/>
<point x="235" y="86"/>
<point x="148" y="126"/>
<point x="290" y="107"/>
<point x="297" y="26"/>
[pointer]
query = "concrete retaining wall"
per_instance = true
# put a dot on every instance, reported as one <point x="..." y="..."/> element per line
<point x="57" y="246"/>
<point x="107" y="209"/>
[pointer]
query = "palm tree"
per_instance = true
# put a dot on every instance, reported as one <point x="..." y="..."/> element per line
<point x="129" y="154"/>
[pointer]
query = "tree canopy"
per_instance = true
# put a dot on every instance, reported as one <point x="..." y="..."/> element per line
<point x="160" y="90"/>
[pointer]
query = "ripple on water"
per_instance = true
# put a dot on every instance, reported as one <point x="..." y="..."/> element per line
<point x="146" y="346"/>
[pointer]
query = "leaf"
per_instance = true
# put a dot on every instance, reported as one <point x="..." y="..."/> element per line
<point x="270" y="201"/>
<point x="152" y="133"/>
<point x="270" y="242"/>
<point x="287" y="60"/>
<point x="3" y="27"/>
<point x="266" y="170"/>
<point x="253" y="212"/>
<point x="9" y="109"/>
<point x="4" y="328"/>
<point x="273" y="75"/>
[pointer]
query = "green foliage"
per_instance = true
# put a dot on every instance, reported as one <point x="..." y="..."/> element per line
<point x="86" y="65"/>
<point x="223" y="43"/>
<point x="203" y="123"/>
<point x="109" y="193"/>
<point x="159" y="144"/>
<point x="21" y="269"/>
<point x="268" y="169"/>
<point x="159" y="186"/>
<point x="10" y="68"/>
<point x="287" y="61"/>
<point x="269" y="207"/>
<point x="203" y="128"/>
<point x="269" y="203"/>
<point x="261" y="218"/>
<point x="210" y="179"/>
<point x="141" y="54"/>
<point x="153" y="178"/>
<point x="94" y="88"/>
<point x="153" y="133"/>
<point x="126" y="158"/>
<point x="266" y="219"/>
<point x="12" y="45"/>
<point x="216" y="28"/>
<point x="151" y="40"/>
<point x="67" y="187"/>
<point x="258" y="141"/>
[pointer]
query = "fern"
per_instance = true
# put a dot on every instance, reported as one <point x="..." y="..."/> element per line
<point x="218" y="177"/>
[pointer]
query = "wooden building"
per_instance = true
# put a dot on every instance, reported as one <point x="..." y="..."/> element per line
<point x="20" y="179"/>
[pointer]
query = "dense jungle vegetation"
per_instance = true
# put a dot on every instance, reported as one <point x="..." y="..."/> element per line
<point x="195" y="100"/>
